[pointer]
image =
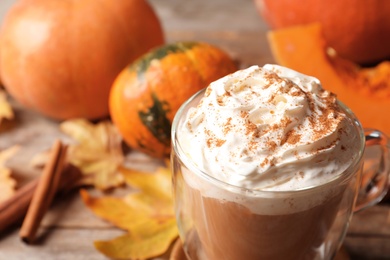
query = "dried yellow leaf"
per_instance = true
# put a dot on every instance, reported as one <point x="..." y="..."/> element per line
<point x="157" y="185"/>
<point x="147" y="214"/>
<point x="97" y="153"/>
<point x="153" y="242"/>
<point x="115" y="210"/>
<point x="5" y="108"/>
<point x="7" y="183"/>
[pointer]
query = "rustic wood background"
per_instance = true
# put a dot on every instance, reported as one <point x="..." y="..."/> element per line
<point x="69" y="229"/>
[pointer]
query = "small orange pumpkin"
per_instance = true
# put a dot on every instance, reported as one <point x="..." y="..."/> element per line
<point x="61" y="57"/>
<point x="365" y="90"/>
<point x="357" y="30"/>
<point x="146" y="95"/>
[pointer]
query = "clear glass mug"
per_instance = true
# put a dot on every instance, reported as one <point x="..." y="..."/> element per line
<point x="219" y="221"/>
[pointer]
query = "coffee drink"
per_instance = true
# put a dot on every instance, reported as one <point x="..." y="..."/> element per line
<point x="268" y="154"/>
<point x="230" y="230"/>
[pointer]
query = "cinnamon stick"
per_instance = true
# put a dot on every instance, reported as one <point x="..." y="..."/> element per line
<point x="44" y="192"/>
<point x="12" y="209"/>
<point x="15" y="208"/>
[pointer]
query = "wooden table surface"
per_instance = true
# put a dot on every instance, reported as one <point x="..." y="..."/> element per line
<point x="69" y="228"/>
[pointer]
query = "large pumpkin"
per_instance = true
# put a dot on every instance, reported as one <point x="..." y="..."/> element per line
<point x="146" y="95"/>
<point x="61" y="57"/>
<point x="365" y="90"/>
<point x="358" y="30"/>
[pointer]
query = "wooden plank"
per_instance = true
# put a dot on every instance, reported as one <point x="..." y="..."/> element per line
<point x="69" y="228"/>
<point x="367" y="247"/>
<point x="372" y="221"/>
<point x="57" y="244"/>
<point x="368" y="236"/>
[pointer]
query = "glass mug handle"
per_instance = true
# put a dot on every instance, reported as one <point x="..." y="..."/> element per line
<point x="375" y="177"/>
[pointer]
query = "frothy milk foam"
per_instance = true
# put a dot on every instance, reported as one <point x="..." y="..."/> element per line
<point x="268" y="129"/>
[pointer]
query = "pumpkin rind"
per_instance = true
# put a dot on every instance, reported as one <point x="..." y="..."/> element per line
<point x="146" y="95"/>
<point x="358" y="30"/>
<point x="303" y="48"/>
<point x="61" y="57"/>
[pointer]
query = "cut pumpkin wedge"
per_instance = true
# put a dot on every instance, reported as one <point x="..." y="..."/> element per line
<point x="365" y="90"/>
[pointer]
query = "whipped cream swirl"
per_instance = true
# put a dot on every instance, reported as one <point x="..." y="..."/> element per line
<point x="269" y="128"/>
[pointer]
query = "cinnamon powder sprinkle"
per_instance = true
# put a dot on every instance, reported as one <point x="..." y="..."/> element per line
<point x="271" y="145"/>
<point x="332" y="144"/>
<point x="285" y="122"/>
<point x="295" y="93"/>
<point x="251" y="128"/>
<point x="220" y="101"/>
<point x="219" y="142"/>
<point x="272" y="163"/>
<point x="271" y="78"/>
<point x="296" y="154"/>
<point x="212" y="141"/>
<point x="291" y="137"/>
<point x="253" y="145"/>
<point x="189" y="126"/>
<point x="264" y="163"/>
<point x="324" y="123"/>
<point x="244" y="114"/>
<point x="228" y="126"/>
<point x="208" y="92"/>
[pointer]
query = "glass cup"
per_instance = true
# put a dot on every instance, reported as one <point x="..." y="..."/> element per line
<point x="219" y="221"/>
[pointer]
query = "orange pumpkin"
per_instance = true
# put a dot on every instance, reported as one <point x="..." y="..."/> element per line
<point x="61" y="57"/>
<point x="146" y="95"/>
<point x="357" y="30"/>
<point x="365" y="90"/>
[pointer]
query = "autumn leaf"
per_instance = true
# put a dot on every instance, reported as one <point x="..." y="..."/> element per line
<point x="144" y="246"/>
<point x="7" y="183"/>
<point x="147" y="214"/>
<point x="153" y="186"/>
<point x="97" y="152"/>
<point x="5" y="108"/>
<point x="115" y="210"/>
